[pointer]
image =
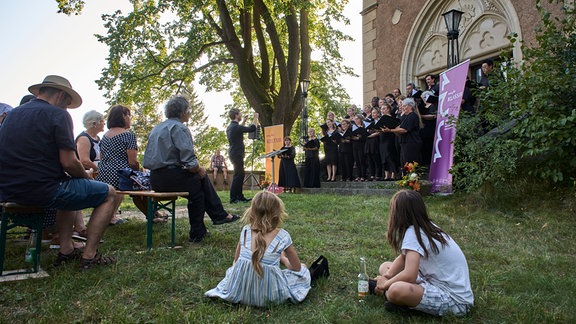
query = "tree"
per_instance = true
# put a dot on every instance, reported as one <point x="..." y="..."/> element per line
<point x="262" y="47"/>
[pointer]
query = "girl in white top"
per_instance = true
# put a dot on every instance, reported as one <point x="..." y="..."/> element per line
<point x="431" y="273"/>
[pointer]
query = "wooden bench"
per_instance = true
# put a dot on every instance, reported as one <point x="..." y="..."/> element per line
<point x="15" y="215"/>
<point x="158" y="201"/>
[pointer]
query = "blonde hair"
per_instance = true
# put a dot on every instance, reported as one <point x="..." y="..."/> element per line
<point x="265" y="214"/>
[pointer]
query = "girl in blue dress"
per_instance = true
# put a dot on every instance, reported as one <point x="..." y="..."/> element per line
<point x="255" y="277"/>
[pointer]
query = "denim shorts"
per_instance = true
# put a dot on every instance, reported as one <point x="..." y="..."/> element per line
<point x="79" y="193"/>
<point x="435" y="301"/>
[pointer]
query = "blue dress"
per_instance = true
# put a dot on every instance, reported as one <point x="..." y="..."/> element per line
<point x="243" y="285"/>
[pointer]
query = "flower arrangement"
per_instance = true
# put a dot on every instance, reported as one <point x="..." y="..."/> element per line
<point x="411" y="178"/>
<point x="266" y="181"/>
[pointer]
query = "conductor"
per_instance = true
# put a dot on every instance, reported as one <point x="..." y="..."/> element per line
<point x="235" y="133"/>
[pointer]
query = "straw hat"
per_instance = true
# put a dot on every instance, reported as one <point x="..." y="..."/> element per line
<point x="60" y="83"/>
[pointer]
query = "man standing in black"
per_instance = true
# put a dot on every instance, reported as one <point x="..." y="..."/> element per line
<point x="235" y="133"/>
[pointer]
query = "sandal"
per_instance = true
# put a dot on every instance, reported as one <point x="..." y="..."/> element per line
<point x="65" y="258"/>
<point x="118" y="221"/>
<point x="80" y="236"/>
<point x="97" y="260"/>
<point x="160" y="219"/>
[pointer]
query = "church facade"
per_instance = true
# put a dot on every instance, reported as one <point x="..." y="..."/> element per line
<point x="405" y="40"/>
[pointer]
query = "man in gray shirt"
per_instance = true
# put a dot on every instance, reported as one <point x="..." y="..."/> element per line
<point x="173" y="166"/>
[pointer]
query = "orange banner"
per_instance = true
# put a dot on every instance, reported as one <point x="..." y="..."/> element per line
<point x="274" y="140"/>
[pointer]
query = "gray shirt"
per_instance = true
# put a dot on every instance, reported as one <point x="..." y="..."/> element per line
<point x="170" y="144"/>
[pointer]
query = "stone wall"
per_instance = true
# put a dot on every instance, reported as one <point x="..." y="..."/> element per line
<point x="248" y="180"/>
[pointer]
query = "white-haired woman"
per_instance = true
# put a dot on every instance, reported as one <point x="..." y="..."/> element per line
<point x="409" y="133"/>
<point x="88" y="152"/>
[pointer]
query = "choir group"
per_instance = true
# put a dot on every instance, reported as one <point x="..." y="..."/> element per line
<point x="374" y="145"/>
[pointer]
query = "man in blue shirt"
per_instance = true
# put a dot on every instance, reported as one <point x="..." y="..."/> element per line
<point x="39" y="167"/>
<point x="235" y="133"/>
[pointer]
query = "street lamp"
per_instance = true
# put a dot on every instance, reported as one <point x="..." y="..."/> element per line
<point x="452" y="20"/>
<point x="304" y="84"/>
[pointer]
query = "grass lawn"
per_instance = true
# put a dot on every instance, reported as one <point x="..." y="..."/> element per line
<point x="521" y="257"/>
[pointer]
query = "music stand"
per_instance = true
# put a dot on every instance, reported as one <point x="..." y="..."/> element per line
<point x="255" y="135"/>
<point x="273" y="186"/>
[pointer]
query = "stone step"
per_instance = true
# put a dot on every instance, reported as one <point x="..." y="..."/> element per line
<point x="368" y="188"/>
<point x="360" y="185"/>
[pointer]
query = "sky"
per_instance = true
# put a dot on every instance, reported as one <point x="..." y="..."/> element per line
<point x="37" y="41"/>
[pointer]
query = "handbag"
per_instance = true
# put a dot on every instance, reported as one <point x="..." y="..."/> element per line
<point x="319" y="269"/>
<point x="132" y="180"/>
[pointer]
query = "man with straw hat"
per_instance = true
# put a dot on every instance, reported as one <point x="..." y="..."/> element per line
<point x="38" y="167"/>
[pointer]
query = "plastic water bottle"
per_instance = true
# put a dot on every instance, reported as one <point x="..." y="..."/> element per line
<point x="30" y="255"/>
<point x="362" y="281"/>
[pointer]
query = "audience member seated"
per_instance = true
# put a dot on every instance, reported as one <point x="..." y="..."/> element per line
<point x="431" y="272"/>
<point x="4" y="110"/>
<point x="88" y="152"/>
<point x="119" y="150"/>
<point x="174" y="167"/>
<point x="40" y="168"/>
<point x="255" y="277"/>
<point x="218" y="164"/>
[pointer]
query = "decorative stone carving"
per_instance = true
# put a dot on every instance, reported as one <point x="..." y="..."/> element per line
<point x="432" y="55"/>
<point x="490" y="6"/>
<point x="488" y="33"/>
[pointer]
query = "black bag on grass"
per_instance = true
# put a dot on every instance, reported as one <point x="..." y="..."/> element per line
<point x="319" y="268"/>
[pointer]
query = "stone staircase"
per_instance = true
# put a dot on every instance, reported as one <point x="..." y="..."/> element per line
<point x="369" y="188"/>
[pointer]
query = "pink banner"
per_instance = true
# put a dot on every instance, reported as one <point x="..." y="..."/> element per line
<point x="451" y="88"/>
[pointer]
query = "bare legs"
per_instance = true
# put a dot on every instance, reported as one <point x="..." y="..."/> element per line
<point x="98" y="223"/>
<point x="331" y="171"/>
<point x="399" y="292"/>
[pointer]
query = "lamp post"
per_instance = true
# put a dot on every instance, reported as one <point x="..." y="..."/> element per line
<point x="304" y="84"/>
<point x="452" y="20"/>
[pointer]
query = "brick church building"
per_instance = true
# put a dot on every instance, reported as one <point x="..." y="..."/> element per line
<point x="404" y="40"/>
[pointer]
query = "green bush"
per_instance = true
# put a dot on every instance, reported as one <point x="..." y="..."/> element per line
<point x="537" y="97"/>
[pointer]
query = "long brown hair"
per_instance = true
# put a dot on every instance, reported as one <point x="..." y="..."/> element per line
<point x="407" y="208"/>
<point x="265" y="214"/>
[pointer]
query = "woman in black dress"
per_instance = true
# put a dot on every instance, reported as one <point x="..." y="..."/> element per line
<point x="358" y="139"/>
<point x="312" y="162"/>
<point x="345" y="151"/>
<point x="388" y="154"/>
<point x="288" y="177"/>
<point x="331" y="139"/>
<point x="409" y="133"/>
<point x="373" y="149"/>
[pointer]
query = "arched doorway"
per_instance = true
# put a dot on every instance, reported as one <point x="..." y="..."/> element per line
<point x="484" y="28"/>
